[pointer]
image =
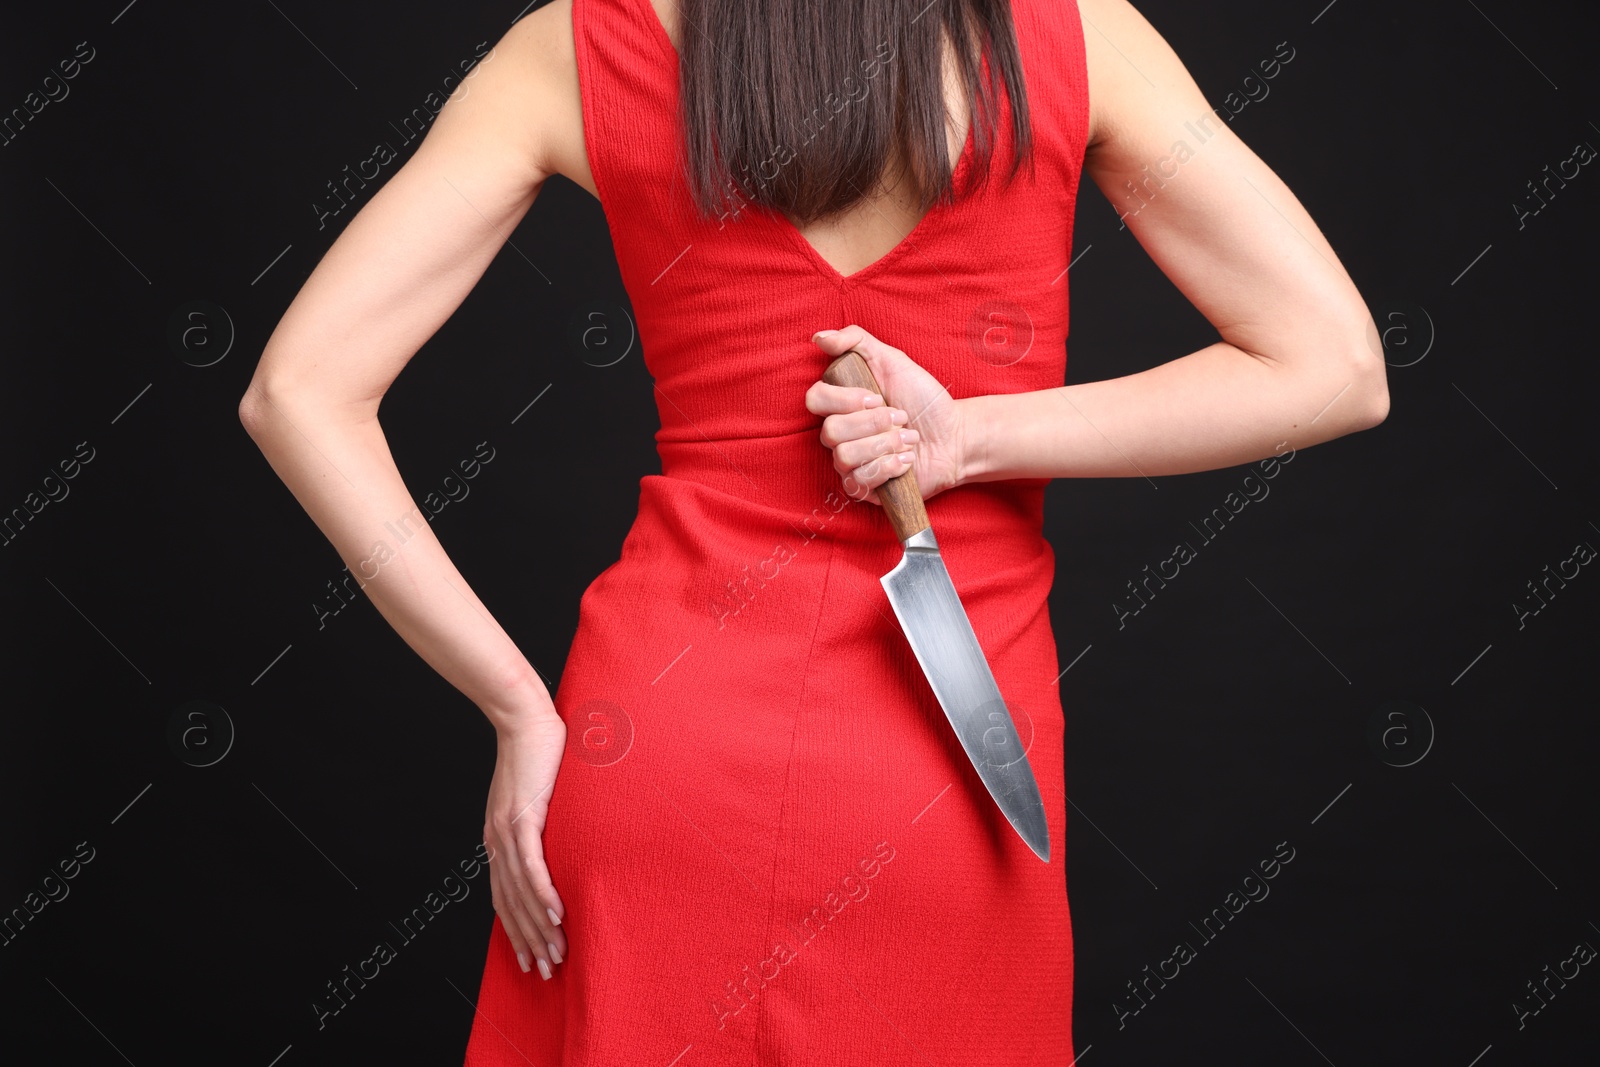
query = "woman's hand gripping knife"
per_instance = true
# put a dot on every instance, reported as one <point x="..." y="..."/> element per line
<point x="915" y="425"/>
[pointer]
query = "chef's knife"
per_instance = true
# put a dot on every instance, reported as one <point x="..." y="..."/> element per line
<point x="937" y="628"/>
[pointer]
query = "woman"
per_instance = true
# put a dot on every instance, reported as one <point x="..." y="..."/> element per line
<point x="766" y="844"/>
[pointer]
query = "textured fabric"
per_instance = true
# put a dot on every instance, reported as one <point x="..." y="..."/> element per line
<point x="771" y="846"/>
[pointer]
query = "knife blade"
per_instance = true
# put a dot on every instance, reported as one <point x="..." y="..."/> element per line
<point x="940" y="634"/>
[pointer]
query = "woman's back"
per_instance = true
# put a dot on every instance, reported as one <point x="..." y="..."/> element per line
<point x="848" y="242"/>
<point x="977" y="290"/>
<point x="771" y="845"/>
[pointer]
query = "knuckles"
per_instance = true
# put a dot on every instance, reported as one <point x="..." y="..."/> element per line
<point x="880" y="421"/>
<point x="859" y="457"/>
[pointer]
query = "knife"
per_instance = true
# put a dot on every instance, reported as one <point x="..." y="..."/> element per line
<point x="940" y="634"/>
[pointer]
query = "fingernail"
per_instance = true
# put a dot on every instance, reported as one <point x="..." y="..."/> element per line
<point x="908" y="437"/>
<point x="554" y="918"/>
<point x="823" y="333"/>
<point x="522" y="958"/>
<point x="554" y="953"/>
<point x="544" y="969"/>
<point x="897" y="417"/>
<point x="907" y="457"/>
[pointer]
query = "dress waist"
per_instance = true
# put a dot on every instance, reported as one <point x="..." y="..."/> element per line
<point x="743" y="544"/>
<point x="781" y="490"/>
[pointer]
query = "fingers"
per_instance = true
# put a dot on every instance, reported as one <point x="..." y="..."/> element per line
<point x="509" y="922"/>
<point x="859" y="452"/>
<point x="539" y="897"/>
<point x="860" y="439"/>
<point x="825" y="399"/>
<point x="522" y="891"/>
<point x="838" y="342"/>
<point x="527" y="940"/>
<point x="870" y="439"/>
<point x="859" y="482"/>
<point x="880" y="356"/>
<point x="855" y="425"/>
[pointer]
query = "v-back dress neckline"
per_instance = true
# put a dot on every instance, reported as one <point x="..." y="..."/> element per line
<point x="929" y="221"/>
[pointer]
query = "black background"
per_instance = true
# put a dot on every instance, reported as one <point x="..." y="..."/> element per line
<point x="1435" y="872"/>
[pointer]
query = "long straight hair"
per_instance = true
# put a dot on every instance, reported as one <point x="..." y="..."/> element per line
<point x="799" y="105"/>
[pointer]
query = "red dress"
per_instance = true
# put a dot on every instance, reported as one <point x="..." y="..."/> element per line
<point x="771" y="846"/>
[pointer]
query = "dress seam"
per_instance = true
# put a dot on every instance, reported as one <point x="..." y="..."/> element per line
<point x="788" y="773"/>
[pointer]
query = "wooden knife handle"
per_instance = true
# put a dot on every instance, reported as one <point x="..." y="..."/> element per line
<point x="901" y="496"/>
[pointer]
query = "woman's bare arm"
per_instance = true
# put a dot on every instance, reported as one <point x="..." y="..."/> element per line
<point x="398" y="271"/>
<point x="1300" y="360"/>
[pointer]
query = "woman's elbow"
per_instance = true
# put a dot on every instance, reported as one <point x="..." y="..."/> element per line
<point x="261" y="408"/>
<point x="1371" y="372"/>
<point x="1377" y="404"/>
<point x="250" y="409"/>
<point x="282" y="399"/>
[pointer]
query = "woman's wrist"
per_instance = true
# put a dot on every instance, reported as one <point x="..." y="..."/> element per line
<point x="526" y="704"/>
<point x="977" y="448"/>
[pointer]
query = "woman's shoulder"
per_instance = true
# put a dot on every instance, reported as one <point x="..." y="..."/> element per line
<point x="539" y="90"/>
<point x="1119" y="44"/>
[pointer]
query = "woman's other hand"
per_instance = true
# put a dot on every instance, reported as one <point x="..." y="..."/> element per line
<point x="519" y="796"/>
<point x="915" y="425"/>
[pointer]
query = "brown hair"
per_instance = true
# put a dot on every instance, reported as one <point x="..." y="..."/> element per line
<point x="798" y="105"/>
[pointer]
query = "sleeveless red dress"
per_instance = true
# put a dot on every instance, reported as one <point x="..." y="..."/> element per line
<point x="771" y="846"/>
